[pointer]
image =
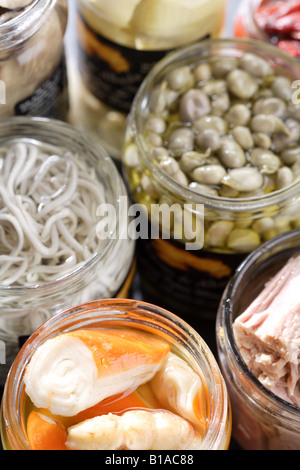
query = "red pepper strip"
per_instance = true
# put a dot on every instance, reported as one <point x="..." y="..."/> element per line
<point x="290" y="47"/>
<point x="285" y="25"/>
<point x="263" y="14"/>
<point x="283" y="8"/>
<point x="288" y="7"/>
<point x="269" y="12"/>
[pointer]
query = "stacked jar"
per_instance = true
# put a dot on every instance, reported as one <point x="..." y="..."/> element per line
<point x="118" y="43"/>
<point x="33" y="79"/>
<point x="213" y="137"/>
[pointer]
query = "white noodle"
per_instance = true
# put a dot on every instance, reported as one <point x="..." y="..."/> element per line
<point x="48" y="221"/>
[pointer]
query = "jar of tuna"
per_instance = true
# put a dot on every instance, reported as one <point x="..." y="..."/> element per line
<point x="212" y="156"/>
<point x="33" y="79"/>
<point x="258" y="339"/>
<point x="158" y="386"/>
<point x="56" y="250"/>
<point x="118" y="44"/>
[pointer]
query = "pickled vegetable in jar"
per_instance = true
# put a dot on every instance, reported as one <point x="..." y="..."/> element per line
<point x="118" y="43"/>
<point x="33" y="78"/>
<point x="212" y="146"/>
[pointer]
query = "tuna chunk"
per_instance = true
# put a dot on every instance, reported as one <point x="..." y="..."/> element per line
<point x="268" y="333"/>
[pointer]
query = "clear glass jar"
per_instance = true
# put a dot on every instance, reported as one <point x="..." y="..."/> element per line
<point x="33" y="75"/>
<point x="245" y="25"/>
<point x="261" y="420"/>
<point x="107" y="273"/>
<point x="192" y="282"/>
<point x="138" y="316"/>
<point x="250" y="21"/>
<point x="118" y="43"/>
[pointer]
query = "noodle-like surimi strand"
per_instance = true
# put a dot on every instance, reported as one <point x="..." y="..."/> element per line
<point x="48" y="213"/>
<point x="29" y="167"/>
<point x="17" y="273"/>
<point x="71" y="240"/>
<point x="21" y="154"/>
<point x="65" y="213"/>
<point x="13" y="222"/>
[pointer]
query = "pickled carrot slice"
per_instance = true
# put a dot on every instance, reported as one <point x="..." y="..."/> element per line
<point x="45" y="433"/>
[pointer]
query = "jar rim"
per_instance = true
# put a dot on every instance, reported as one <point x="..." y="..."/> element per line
<point x="253" y="29"/>
<point x="18" y="29"/>
<point x="141" y="313"/>
<point x="52" y="127"/>
<point x="139" y="108"/>
<point x="227" y="320"/>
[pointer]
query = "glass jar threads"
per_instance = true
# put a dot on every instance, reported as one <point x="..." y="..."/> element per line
<point x="118" y="43"/>
<point x="54" y="250"/>
<point x="33" y="75"/>
<point x="120" y="316"/>
<point x="202" y="138"/>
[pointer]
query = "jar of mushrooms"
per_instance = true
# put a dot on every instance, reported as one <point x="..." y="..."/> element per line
<point x="32" y="63"/>
<point x="212" y="146"/>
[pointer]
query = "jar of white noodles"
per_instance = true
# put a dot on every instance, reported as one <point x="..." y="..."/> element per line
<point x="63" y="238"/>
<point x="33" y="77"/>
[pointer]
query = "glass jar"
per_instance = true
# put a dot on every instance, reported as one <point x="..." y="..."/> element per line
<point x="245" y="26"/>
<point x="33" y="75"/>
<point x="140" y="317"/>
<point x="118" y="43"/>
<point x="190" y="279"/>
<point x="251" y="19"/>
<point x="106" y="273"/>
<point x="261" y="420"/>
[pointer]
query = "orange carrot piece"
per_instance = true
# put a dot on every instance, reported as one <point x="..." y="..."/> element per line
<point x="45" y="433"/>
